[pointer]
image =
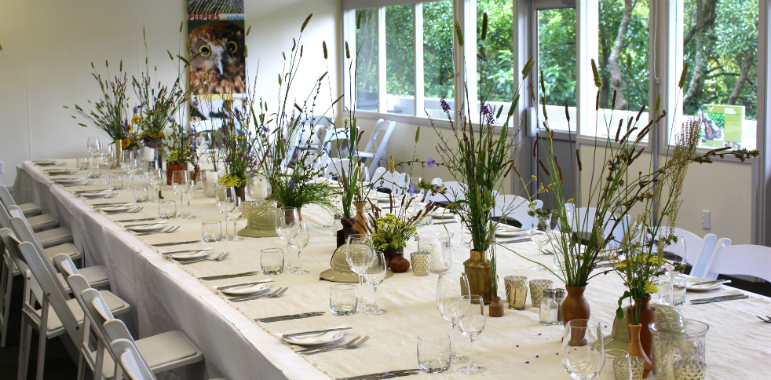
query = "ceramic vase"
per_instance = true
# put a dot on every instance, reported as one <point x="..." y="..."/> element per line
<point x="496" y="308"/>
<point x="480" y="275"/>
<point x="647" y="315"/>
<point x="241" y="192"/>
<point x="360" y="220"/>
<point x="636" y="349"/>
<point x="575" y="305"/>
<point x="171" y="168"/>
<point x="399" y="264"/>
<point x="346" y="231"/>
<point x="118" y="152"/>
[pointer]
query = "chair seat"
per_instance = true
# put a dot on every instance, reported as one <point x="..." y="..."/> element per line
<point x="97" y="277"/>
<point x="55" y="328"/>
<point x="307" y="146"/>
<point x="162" y="352"/>
<point x="42" y="222"/>
<point x="67" y="248"/>
<point x="30" y="209"/>
<point x="54" y="237"/>
<point x="367" y="154"/>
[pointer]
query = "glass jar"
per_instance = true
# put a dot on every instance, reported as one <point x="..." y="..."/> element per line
<point x="683" y="340"/>
<point x="549" y="308"/>
<point x="210" y="183"/>
<point x="337" y="225"/>
<point x="439" y="246"/>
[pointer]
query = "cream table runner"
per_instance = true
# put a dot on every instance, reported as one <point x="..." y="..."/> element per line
<point x="514" y="346"/>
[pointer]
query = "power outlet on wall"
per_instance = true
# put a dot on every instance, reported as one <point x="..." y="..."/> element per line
<point x="705" y="219"/>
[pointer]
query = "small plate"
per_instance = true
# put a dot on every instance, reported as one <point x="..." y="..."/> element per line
<point x="60" y="171"/>
<point x="68" y="181"/>
<point x="246" y="289"/>
<point x="147" y="228"/>
<point x="442" y="214"/>
<point x="115" y="208"/>
<point x="692" y="284"/>
<point x="188" y="255"/>
<point x="96" y="194"/>
<point x="44" y="162"/>
<point x="315" y="339"/>
<point x="509" y="231"/>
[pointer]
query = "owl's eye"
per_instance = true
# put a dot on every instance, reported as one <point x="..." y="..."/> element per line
<point x="204" y="51"/>
<point x="232" y="47"/>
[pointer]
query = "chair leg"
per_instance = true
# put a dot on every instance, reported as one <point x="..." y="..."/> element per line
<point x="41" y="354"/>
<point x="7" y="292"/>
<point x="24" y="347"/>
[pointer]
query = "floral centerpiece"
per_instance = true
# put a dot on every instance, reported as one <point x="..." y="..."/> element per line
<point x="178" y="146"/>
<point x="110" y="113"/>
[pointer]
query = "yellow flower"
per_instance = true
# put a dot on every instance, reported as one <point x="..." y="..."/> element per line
<point x="391" y="165"/>
<point x="650" y="287"/>
<point x="135" y="119"/>
<point x="125" y="143"/>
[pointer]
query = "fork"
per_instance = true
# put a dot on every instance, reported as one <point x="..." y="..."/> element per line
<point x="222" y="256"/>
<point x="79" y="184"/>
<point x="278" y="293"/>
<point x="349" y="346"/>
<point x="330" y="346"/>
<point x="767" y="319"/>
<point x="163" y="231"/>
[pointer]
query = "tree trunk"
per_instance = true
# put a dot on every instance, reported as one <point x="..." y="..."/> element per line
<point x="705" y="20"/>
<point x="605" y="89"/>
<point x="616" y="79"/>
<point x="749" y="57"/>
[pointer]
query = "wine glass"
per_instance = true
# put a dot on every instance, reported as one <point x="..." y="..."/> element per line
<point x="234" y="213"/>
<point x="299" y="242"/>
<point x="448" y="290"/>
<point x="618" y="366"/>
<point x="583" y="350"/>
<point x="200" y="178"/>
<point x="471" y="325"/>
<point x="360" y="253"/>
<point x="287" y="220"/>
<point x="375" y="274"/>
<point x="152" y="175"/>
<point x="180" y="182"/>
<point x="541" y="240"/>
<point x="189" y="196"/>
<point x="93" y="146"/>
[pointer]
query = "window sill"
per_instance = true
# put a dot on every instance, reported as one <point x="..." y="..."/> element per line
<point x="406" y="119"/>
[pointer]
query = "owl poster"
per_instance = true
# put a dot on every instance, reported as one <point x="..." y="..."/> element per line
<point x="216" y="39"/>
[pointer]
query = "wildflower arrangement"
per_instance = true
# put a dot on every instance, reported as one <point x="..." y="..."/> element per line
<point x="109" y="114"/>
<point x="393" y="228"/>
<point x="241" y="149"/>
<point x="179" y="146"/>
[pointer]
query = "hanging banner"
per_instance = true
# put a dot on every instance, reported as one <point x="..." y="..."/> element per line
<point x="722" y="125"/>
<point x="216" y="39"/>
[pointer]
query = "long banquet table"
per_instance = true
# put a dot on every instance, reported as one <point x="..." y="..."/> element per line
<point x="167" y="296"/>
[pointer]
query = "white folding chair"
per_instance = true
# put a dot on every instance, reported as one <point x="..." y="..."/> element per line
<point x="66" y="317"/>
<point x="743" y="259"/>
<point x="49" y="238"/>
<point x="29" y="209"/>
<point x="386" y="128"/>
<point x="452" y="190"/>
<point x="516" y="208"/>
<point x="338" y="167"/>
<point x="377" y="177"/>
<point x="337" y="135"/>
<point x="132" y="365"/>
<point x="583" y="223"/>
<point x="698" y="250"/>
<point x="39" y="223"/>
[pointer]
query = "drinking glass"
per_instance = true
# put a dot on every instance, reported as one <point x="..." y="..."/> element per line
<point x="82" y="163"/>
<point x="375" y="274"/>
<point x="109" y="158"/>
<point x="211" y="231"/>
<point x="287" y="220"/>
<point x="127" y="160"/>
<point x="167" y="209"/>
<point x="189" y="196"/>
<point x="180" y="182"/>
<point x="360" y="253"/>
<point x="200" y="178"/>
<point x="136" y="168"/>
<point x="93" y="170"/>
<point x="299" y="242"/>
<point x="93" y="146"/>
<point x="448" y="289"/>
<point x="471" y="325"/>
<point x="235" y="211"/>
<point x="583" y="351"/>
<point x="115" y="180"/>
<point x="272" y="261"/>
<point x="140" y="193"/>
<point x="156" y="176"/>
<point x="221" y="197"/>
<point x="541" y="240"/>
<point x="342" y="300"/>
<point x="618" y="366"/>
<point x="434" y="352"/>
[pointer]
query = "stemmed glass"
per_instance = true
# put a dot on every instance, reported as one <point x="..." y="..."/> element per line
<point x="221" y="197"/>
<point x="189" y="196"/>
<point x="159" y="177"/>
<point x="93" y="146"/>
<point x="583" y="350"/>
<point x="299" y="242"/>
<point x="375" y="274"/>
<point x="235" y="211"/>
<point x="541" y="240"/>
<point x="360" y="253"/>
<point x="180" y="182"/>
<point x="127" y="160"/>
<point x="287" y="220"/>
<point x="471" y="325"/>
<point x="152" y="176"/>
<point x="200" y="178"/>
<point x="448" y="290"/>
<point x="136" y="169"/>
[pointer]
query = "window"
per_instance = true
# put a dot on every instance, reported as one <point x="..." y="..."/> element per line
<point x="495" y="56"/>
<point x="400" y="59"/>
<point x="367" y="60"/>
<point x="720" y="43"/>
<point x="438" y="71"/>
<point x="557" y="61"/>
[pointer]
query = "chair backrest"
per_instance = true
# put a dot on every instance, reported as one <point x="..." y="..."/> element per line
<point x="24" y="231"/>
<point x="5" y="217"/>
<point x="7" y="244"/>
<point x="515" y="207"/>
<point x="131" y="362"/>
<point x="338" y="167"/>
<point x="66" y="266"/>
<point x="5" y="197"/>
<point x="698" y="250"/>
<point x="385" y="127"/>
<point x="377" y="176"/>
<point x="452" y="190"/>
<point x="79" y="285"/>
<point x="743" y="259"/>
<point x="336" y="135"/>
<point x="583" y="223"/>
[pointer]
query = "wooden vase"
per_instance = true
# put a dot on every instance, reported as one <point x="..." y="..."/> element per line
<point x="647" y="315"/>
<point x="399" y="264"/>
<point x="496" y="308"/>
<point x="480" y="275"/>
<point x="360" y="220"/>
<point x="636" y="349"/>
<point x="575" y="305"/>
<point x="346" y="231"/>
<point x="241" y="192"/>
<point x="171" y="168"/>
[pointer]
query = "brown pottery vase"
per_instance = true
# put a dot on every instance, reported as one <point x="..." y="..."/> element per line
<point x="360" y="220"/>
<point x="647" y="315"/>
<point x="636" y="349"/>
<point x="496" y="308"/>
<point x="171" y="168"/>
<point x="346" y="231"/>
<point x="399" y="264"/>
<point x="241" y="192"/>
<point x="575" y="305"/>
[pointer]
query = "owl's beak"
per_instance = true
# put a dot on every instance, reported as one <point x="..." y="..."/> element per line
<point x="219" y="65"/>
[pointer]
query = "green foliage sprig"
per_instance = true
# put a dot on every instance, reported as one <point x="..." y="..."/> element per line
<point x="110" y="113"/>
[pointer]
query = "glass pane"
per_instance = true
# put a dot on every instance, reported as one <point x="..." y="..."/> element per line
<point x="557" y="61"/>
<point x="366" y="60"/>
<point x="495" y="62"/>
<point x="437" y="57"/>
<point x="623" y="65"/>
<point x="400" y="59"/>
<point x="720" y="46"/>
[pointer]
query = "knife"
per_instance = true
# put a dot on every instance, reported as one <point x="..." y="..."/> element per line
<point x="187" y="250"/>
<point x="224" y="276"/>
<point x="291" y="316"/>
<point x="285" y="336"/>
<point x="709" y="283"/>
<point x="132" y="220"/>
<point x="719" y="299"/>
<point x="382" y="375"/>
<point x="79" y="192"/>
<point x="520" y="240"/>
<point x="231" y="286"/>
<point x="174" y="243"/>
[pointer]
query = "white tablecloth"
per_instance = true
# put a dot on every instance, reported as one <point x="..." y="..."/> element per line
<point x="166" y="296"/>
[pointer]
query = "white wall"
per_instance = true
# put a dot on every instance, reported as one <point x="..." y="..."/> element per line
<point x="48" y="46"/>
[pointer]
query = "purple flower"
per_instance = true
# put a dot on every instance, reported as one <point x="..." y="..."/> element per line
<point x="135" y="110"/>
<point x="445" y="106"/>
<point x="436" y="188"/>
<point x="430" y="162"/>
<point x="412" y="190"/>
<point x="487" y="112"/>
<point x="291" y="184"/>
<point x="196" y="103"/>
